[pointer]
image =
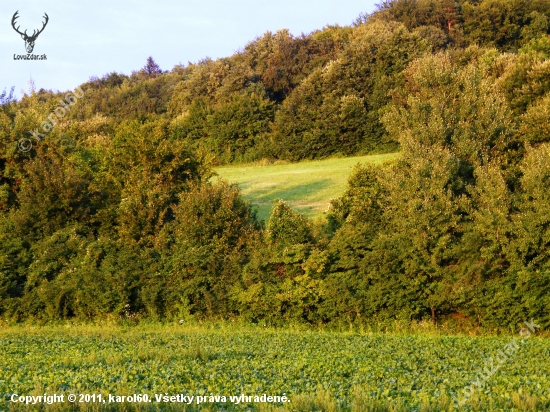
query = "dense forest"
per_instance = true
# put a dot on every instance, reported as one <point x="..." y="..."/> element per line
<point x="112" y="213"/>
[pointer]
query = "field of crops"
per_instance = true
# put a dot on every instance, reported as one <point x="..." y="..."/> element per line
<point x="315" y="370"/>
<point x="305" y="186"/>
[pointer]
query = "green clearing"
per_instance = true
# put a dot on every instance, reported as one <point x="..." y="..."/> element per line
<point x="325" y="371"/>
<point x="305" y="186"/>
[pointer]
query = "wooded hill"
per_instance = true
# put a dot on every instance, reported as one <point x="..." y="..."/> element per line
<point x="112" y="213"/>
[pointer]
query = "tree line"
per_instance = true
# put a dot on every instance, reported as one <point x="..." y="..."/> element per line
<point x="114" y="210"/>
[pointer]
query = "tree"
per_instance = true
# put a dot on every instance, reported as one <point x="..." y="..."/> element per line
<point x="275" y="283"/>
<point x="207" y="246"/>
<point x="151" y="68"/>
<point x="335" y="110"/>
<point x="451" y="123"/>
<point x="7" y="98"/>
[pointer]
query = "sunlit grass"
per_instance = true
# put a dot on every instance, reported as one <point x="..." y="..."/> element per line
<point x="306" y="186"/>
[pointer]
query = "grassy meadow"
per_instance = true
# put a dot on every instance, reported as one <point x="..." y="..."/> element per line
<point x="317" y="371"/>
<point x="306" y="186"/>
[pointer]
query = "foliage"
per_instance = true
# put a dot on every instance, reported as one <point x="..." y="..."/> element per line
<point x="207" y="246"/>
<point x="316" y="371"/>
<point x="7" y="98"/>
<point x="235" y="130"/>
<point x="113" y="210"/>
<point x="506" y="24"/>
<point x="335" y="110"/>
<point x="151" y="68"/>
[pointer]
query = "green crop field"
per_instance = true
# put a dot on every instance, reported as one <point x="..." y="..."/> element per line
<point x="306" y="186"/>
<point x="325" y="371"/>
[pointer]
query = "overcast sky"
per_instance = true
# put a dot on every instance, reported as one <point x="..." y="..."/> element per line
<point x="87" y="38"/>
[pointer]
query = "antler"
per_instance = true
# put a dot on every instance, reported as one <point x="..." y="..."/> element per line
<point x="15" y="16"/>
<point x="35" y="35"/>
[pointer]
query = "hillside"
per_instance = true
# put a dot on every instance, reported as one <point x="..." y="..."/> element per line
<point x="108" y="207"/>
<point x="307" y="186"/>
<point x="132" y="259"/>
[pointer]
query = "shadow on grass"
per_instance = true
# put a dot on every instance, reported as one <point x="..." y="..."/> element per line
<point x="295" y="194"/>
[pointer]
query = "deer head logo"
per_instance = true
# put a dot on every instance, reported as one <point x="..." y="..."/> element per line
<point x="29" y="40"/>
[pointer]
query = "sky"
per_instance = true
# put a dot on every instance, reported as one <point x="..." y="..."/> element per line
<point x="87" y="38"/>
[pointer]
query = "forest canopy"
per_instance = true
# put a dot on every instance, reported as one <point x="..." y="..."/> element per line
<point x="113" y="211"/>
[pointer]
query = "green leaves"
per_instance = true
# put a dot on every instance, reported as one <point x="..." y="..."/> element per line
<point x="233" y="130"/>
<point x="350" y="368"/>
<point x="335" y="109"/>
